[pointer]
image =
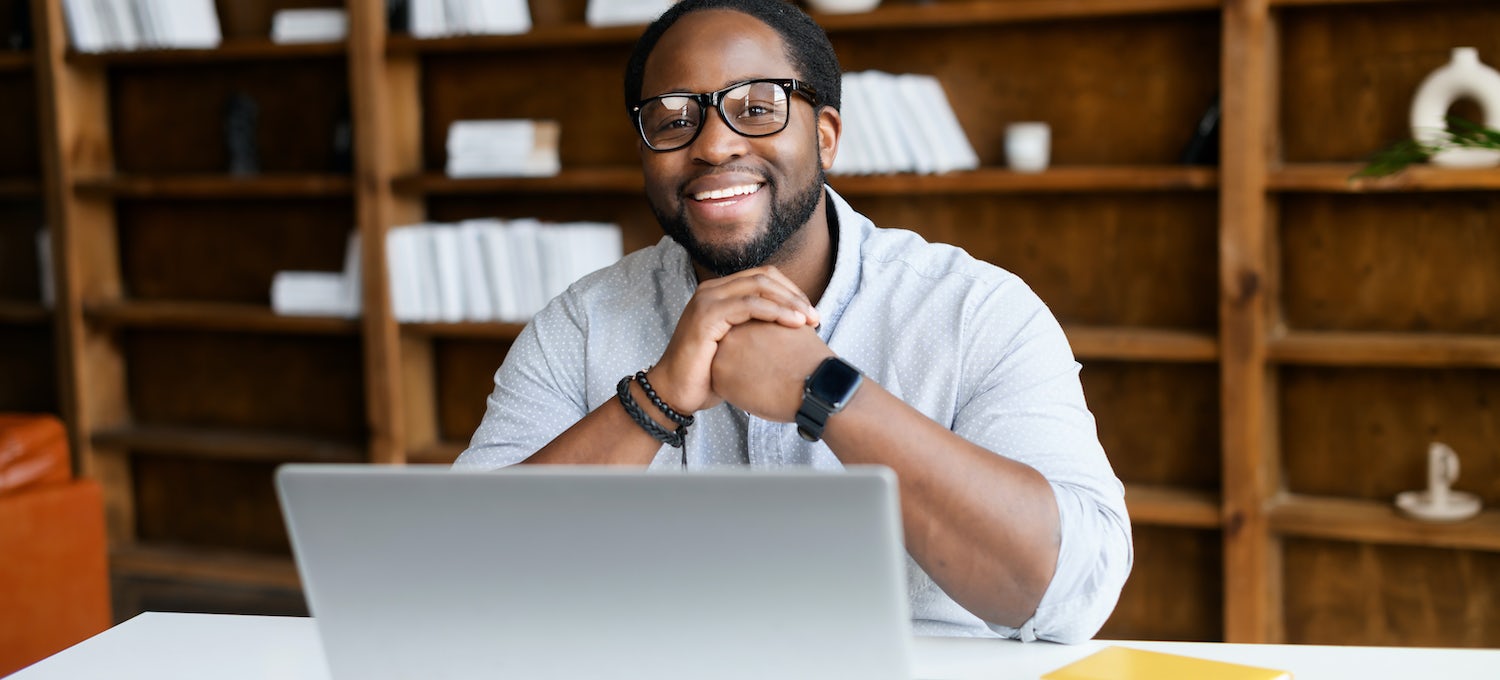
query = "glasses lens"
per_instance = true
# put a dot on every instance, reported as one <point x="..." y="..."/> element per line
<point x="756" y="108"/>
<point x="670" y="121"/>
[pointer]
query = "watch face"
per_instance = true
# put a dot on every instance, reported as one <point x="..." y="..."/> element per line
<point x="834" y="381"/>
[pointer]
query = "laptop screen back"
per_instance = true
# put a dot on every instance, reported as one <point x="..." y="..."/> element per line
<point x="569" y="572"/>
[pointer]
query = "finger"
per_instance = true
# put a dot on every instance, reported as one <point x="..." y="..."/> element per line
<point x="768" y="283"/>
<point x="745" y="308"/>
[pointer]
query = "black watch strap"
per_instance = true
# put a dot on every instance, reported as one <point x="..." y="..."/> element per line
<point x="826" y="392"/>
<point x="811" y="419"/>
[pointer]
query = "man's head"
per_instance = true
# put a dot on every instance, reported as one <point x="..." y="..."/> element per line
<point x="737" y="200"/>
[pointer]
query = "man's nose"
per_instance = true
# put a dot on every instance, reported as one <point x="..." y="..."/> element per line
<point x="718" y="143"/>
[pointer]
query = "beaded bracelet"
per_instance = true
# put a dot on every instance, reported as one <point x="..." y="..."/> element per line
<point x="672" y="439"/>
<point x="681" y="420"/>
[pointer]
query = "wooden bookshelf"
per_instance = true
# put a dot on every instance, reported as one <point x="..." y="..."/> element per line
<point x="1264" y="342"/>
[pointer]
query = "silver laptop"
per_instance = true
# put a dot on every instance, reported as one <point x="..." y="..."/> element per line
<point x="581" y="572"/>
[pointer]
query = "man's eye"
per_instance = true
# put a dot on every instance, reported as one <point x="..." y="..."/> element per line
<point x="675" y="124"/>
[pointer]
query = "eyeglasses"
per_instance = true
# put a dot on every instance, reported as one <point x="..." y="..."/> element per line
<point x="754" y="108"/>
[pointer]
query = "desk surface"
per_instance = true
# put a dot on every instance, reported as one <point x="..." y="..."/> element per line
<point x="171" y="646"/>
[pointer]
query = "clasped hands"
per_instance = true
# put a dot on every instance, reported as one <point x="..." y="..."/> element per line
<point x="747" y="338"/>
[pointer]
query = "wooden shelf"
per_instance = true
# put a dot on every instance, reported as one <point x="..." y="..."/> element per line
<point x="469" y="330"/>
<point x="1152" y="505"/>
<point x="1137" y="344"/>
<point x="440" y="453"/>
<point x="1339" y="178"/>
<point x="214" y="316"/>
<point x="241" y="50"/>
<point x="12" y="61"/>
<point x="19" y="313"/>
<point x="1322" y="3"/>
<point x="894" y="17"/>
<point x="1366" y="521"/>
<point x="218" y="186"/>
<point x="20" y="189"/>
<point x="1418" y="350"/>
<point x="202" y="565"/>
<point x="229" y="444"/>
<point x="984" y="181"/>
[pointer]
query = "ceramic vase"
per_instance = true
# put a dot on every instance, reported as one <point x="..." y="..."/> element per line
<point x="1464" y="76"/>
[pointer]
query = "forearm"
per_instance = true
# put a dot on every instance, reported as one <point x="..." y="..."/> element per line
<point x="606" y="436"/>
<point x="984" y="527"/>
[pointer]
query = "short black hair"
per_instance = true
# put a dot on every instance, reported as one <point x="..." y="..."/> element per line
<point x="807" y="45"/>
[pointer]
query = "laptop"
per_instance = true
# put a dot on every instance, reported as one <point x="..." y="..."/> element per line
<point x="585" y="572"/>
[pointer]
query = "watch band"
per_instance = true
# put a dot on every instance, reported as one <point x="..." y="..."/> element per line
<point x="825" y="392"/>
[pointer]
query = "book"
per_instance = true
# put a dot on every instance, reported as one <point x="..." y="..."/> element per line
<point x="1126" y="663"/>
<point x="503" y="148"/>
<point x="321" y="24"/>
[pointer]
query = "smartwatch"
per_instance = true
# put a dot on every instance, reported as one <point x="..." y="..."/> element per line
<point x="826" y="392"/>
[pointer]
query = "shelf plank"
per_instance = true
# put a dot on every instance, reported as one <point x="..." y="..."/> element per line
<point x="229" y="444"/>
<point x="214" y="316"/>
<point x="621" y="180"/>
<point x="217" y="186"/>
<point x="1152" y="505"/>
<point x="1418" y="350"/>
<point x="893" y="17"/>
<point x="237" y="50"/>
<point x="1339" y="178"/>
<point x="20" y="188"/>
<point x="1323" y="3"/>
<point x="1366" y="521"/>
<point x="440" y="453"/>
<point x="1106" y="343"/>
<point x="13" y="61"/>
<point x="178" y="563"/>
<point x="467" y="330"/>
<point x="24" y="313"/>
<point x="1062" y="179"/>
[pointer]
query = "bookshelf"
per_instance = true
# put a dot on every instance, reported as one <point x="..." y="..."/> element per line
<point x="1267" y="344"/>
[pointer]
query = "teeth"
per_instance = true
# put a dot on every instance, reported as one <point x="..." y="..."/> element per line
<point x="726" y="193"/>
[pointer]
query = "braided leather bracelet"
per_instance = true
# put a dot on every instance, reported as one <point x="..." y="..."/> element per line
<point x="672" y="439"/>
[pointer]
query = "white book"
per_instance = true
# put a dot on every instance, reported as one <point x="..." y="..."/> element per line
<point x="322" y="24"/>
<point x="127" y="24"/>
<point x="194" y="24"/>
<point x="83" y="25"/>
<point x="526" y="267"/>
<point x="430" y="303"/>
<point x="855" y="90"/>
<point x="108" y="21"/>
<point x="893" y="137"/>
<point x="309" y="294"/>
<point x="957" y="143"/>
<point x="850" y="159"/>
<point x="505" y="17"/>
<point x="494" y="241"/>
<point x="624" y="12"/>
<point x="478" y="304"/>
<point x="401" y="275"/>
<point x="450" y="278"/>
<point x="599" y="245"/>
<point x="44" y="267"/>
<point x="426" y="19"/>
<point x="921" y="133"/>
<point x="147" y="22"/>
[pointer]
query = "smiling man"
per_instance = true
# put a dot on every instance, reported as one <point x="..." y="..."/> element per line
<point x="776" y="326"/>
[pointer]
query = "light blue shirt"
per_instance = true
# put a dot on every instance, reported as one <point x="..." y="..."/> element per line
<point x="963" y="341"/>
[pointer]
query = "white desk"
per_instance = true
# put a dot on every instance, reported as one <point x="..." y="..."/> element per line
<point x="194" y="646"/>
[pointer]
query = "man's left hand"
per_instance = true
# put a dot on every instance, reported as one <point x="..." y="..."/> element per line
<point x="760" y="367"/>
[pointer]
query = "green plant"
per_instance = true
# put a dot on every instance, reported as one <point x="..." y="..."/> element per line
<point x="1461" y="133"/>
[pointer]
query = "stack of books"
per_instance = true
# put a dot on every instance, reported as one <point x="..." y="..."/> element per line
<point x="111" y="25"/>
<point x="491" y="269"/>
<point x="440" y="18"/>
<point x="503" y="148"/>
<point x="624" y="12"/>
<point x="899" y="123"/>
<point x="320" y="24"/>
<point x="303" y="293"/>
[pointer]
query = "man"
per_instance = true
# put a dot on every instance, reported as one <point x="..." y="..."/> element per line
<point x="964" y="385"/>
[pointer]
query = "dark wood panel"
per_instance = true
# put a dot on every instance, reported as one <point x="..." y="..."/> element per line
<point x="1364" y="433"/>
<point x="638" y="226"/>
<point x="1159" y="423"/>
<point x="1353" y="594"/>
<point x="466" y="375"/>
<point x="20" y="156"/>
<point x="1392" y="262"/>
<point x="1107" y="259"/>
<point x="132" y="595"/>
<point x="171" y="119"/>
<point x="1349" y="73"/>
<point x="227" y="251"/>
<point x="1116" y="90"/>
<point x="580" y="87"/>
<point x="208" y="503"/>
<point x="28" y="369"/>
<point x="306" y="385"/>
<point x="1175" y="591"/>
<point x="19" y="223"/>
<point x="252" y="19"/>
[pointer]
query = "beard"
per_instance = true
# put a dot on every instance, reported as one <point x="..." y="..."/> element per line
<point x="787" y="218"/>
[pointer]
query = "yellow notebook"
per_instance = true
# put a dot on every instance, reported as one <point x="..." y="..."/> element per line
<point x="1123" y="663"/>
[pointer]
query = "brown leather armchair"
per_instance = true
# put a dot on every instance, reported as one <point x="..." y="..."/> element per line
<point x="54" y="571"/>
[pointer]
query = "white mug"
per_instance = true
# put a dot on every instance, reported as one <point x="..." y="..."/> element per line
<point x="1028" y="146"/>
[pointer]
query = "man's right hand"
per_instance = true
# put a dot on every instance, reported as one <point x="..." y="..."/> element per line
<point x="682" y="377"/>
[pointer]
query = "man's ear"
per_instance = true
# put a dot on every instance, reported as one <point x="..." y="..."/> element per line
<point x="830" y="129"/>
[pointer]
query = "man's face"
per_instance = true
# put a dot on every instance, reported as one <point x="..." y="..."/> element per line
<point x="733" y="202"/>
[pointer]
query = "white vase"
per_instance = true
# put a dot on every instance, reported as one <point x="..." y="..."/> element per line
<point x="1463" y="76"/>
<point x="842" y="6"/>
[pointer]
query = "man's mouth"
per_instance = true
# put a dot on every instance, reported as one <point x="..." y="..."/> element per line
<point x="727" y="192"/>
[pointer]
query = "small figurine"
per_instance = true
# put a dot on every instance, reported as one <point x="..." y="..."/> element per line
<point x="1439" y="502"/>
